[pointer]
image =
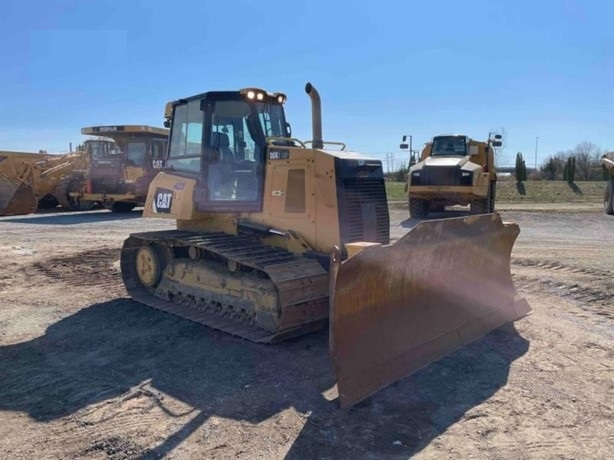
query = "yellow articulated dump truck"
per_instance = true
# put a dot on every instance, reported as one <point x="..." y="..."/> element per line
<point x="276" y="237"/>
<point x="608" y="167"/>
<point x="29" y="180"/>
<point x="123" y="159"/>
<point x="453" y="170"/>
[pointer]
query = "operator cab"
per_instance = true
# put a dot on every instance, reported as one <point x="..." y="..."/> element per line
<point x="453" y="145"/>
<point x="220" y="138"/>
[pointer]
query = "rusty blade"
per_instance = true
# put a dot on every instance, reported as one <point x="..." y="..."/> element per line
<point x="398" y="308"/>
<point x="16" y="197"/>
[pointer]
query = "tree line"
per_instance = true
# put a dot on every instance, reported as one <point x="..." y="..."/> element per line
<point x="582" y="163"/>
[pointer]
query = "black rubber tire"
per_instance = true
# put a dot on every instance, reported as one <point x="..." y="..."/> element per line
<point x="418" y="208"/>
<point x="493" y="196"/>
<point x="608" y="202"/>
<point x="122" y="206"/>
<point x="483" y="206"/>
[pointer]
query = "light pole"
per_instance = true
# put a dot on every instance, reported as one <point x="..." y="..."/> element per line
<point x="536" y="139"/>
<point x="404" y="146"/>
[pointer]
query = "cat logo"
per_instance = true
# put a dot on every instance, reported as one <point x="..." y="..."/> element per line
<point x="163" y="200"/>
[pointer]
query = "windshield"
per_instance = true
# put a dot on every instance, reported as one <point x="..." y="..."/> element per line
<point x="272" y="119"/>
<point x="101" y="149"/>
<point x="136" y="154"/>
<point x="449" y="145"/>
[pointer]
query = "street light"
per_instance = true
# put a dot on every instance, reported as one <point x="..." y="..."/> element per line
<point x="404" y="146"/>
<point x="536" y="138"/>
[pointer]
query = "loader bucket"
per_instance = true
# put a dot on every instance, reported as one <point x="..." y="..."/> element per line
<point x="16" y="197"/>
<point x="398" y="308"/>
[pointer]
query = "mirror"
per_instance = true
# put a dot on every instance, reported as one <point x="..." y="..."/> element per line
<point x="404" y="139"/>
<point x="498" y="136"/>
<point x="403" y="146"/>
<point x="497" y="144"/>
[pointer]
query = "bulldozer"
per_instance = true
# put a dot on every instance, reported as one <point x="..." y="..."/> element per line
<point x="29" y="181"/>
<point x="453" y="170"/>
<point x="277" y="237"/>
<point x="121" y="165"/>
<point x="608" y="173"/>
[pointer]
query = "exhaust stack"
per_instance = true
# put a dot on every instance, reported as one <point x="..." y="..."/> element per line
<point x="316" y="116"/>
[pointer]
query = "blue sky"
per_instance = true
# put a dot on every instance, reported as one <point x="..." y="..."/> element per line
<point x="535" y="68"/>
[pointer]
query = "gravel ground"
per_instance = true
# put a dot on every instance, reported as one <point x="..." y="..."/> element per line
<point x="85" y="372"/>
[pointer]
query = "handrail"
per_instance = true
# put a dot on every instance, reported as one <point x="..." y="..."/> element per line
<point x="271" y="139"/>
<point x="330" y="143"/>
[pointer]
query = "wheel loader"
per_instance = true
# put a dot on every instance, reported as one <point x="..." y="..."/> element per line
<point x="29" y="180"/>
<point x="121" y="165"/>
<point x="276" y="237"/>
<point x="608" y="169"/>
<point x="453" y="170"/>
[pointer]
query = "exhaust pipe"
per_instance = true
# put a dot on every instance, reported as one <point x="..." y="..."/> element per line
<point x="316" y="116"/>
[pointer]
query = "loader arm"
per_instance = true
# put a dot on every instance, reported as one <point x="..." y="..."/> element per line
<point x="398" y="308"/>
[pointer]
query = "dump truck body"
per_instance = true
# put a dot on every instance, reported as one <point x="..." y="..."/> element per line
<point x="275" y="237"/>
<point x="123" y="161"/>
<point x="453" y="170"/>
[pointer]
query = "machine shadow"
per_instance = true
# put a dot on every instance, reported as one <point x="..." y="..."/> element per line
<point x="107" y="350"/>
<point x="401" y="420"/>
<point x="73" y="218"/>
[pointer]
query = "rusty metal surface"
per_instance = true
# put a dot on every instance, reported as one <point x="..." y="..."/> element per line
<point x="399" y="308"/>
<point x="16" y="197"/>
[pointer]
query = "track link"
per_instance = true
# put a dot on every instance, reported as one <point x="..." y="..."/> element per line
<point x="300" y="284"/>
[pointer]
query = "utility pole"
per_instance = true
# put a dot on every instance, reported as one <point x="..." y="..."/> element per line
<point x="536" y="138"/>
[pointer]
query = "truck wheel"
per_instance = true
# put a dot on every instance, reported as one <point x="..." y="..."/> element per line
<point x="493" y="195"/>
<point x="122" y="207"/>
<point x="418" y="208"/>
<point x="608" y="202"/>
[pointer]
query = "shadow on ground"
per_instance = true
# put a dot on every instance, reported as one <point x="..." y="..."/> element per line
<point x="73" y="218"/>
<point x="104" y="350"/>
<point x="574" y="188"/>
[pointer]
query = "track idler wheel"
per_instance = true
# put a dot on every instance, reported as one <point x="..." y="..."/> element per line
<point x="148" y="266"/>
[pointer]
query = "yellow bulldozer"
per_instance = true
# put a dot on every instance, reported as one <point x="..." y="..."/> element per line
<point x="276" y="236"/>
<point x="121" y="166"/>
<point x="29" y="180"/>
<point x="608" y="173"/>
<point x="453" y="170"/>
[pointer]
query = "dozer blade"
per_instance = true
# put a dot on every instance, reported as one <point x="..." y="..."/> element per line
<point x="398" y="308"/>
<point x="16" y="197"/>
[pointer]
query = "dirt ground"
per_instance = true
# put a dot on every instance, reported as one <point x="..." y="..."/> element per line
<point x="87" y="373"/>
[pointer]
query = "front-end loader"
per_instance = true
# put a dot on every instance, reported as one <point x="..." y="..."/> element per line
<point x="608" y="173"/>
<point x="276" y="236"/>
<point x="27" y="180"/>
<point x="453" y="170"/>
<point x="122" y="163"/>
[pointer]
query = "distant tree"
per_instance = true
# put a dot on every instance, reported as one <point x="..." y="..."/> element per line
<point x="587" y="157"/>
<point x="501" y="157"/>
<point x="521" y="168"/>
<point x="549" y="169"/>
<point x="400" y="175"/>
<point x="569" y="172"/>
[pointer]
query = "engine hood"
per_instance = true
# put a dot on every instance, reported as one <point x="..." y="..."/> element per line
<point x="446" y="161"/>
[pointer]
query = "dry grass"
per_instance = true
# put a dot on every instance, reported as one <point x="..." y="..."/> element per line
<point x="508" y="191"/>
